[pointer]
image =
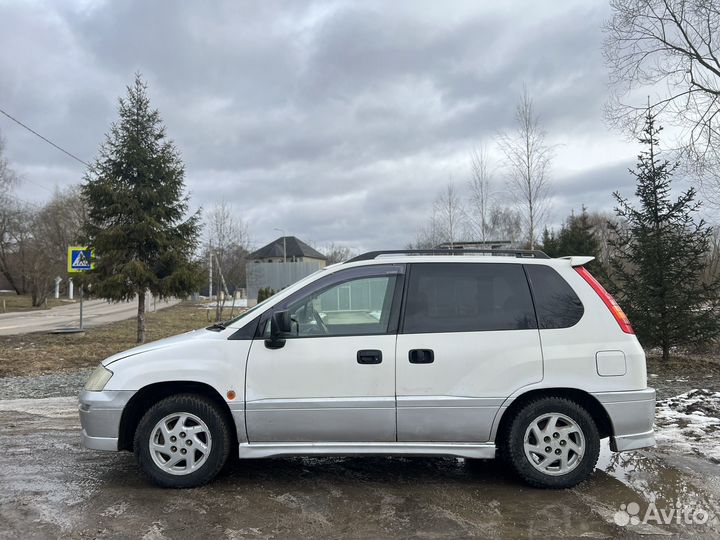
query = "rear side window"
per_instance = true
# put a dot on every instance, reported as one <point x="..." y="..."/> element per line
<point x="556" y="303"/>
<point x="467" y="297"/>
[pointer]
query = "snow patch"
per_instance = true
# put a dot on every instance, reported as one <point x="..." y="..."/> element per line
<point x="52" y="407"/>
<point x="690" y="422"/>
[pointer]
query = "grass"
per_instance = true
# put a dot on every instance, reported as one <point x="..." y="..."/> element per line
<point x="33" y="354"/>
<point x="10" y="303"/>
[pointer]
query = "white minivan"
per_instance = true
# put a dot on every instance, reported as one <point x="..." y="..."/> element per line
<point x="474" y="354"/>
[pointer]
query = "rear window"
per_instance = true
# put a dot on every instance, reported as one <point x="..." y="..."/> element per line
<point x="467" y="297"/>
<point x="556" y="303"/>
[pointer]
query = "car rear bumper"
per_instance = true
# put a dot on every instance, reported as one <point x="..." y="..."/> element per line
<point x="632" y="415"/>
<point x="100" y="414"/>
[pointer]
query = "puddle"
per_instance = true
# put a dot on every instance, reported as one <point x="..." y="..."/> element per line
<point x="668" y="482"/>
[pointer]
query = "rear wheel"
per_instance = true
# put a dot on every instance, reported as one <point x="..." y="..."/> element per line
<point x="551" y="442"/>
<point x="182" y="441"/>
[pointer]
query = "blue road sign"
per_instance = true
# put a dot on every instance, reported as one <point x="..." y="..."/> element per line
<point x="79" y="259"/>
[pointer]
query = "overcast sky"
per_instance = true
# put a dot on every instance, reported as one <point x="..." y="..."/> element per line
<point x="337" y="121"/>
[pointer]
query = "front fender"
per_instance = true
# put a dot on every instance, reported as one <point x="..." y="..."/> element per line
<point x="219" y="363"/>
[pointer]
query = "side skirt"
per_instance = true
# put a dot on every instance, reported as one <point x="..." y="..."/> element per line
<point x="261" y="450"/>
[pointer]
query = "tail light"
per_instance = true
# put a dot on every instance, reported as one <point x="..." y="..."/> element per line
<point x="609" y="301"/>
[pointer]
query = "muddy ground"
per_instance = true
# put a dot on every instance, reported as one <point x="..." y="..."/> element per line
<point x="51" y="487"/>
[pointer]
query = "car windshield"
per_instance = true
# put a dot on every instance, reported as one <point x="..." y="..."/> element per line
<point x="245" y="313"/>
<point x="261" y="304"/>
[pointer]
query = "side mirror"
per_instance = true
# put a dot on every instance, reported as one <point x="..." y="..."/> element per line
<point x="280" y="325"/>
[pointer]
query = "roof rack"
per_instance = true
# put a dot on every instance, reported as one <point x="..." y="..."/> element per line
<point x="519" y="253"/>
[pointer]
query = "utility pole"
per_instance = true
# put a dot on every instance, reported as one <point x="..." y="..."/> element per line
<point x="210" y="273"/>
<point x="81" y="307"/>
<point x="284" y="245"/>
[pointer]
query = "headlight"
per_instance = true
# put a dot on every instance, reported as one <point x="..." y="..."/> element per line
<point x="98" y="379"/>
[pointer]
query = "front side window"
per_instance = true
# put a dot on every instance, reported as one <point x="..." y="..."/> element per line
<point x="359" y="306"/>
<point x="468" y="297"/>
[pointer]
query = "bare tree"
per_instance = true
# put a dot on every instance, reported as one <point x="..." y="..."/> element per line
<point x="528" y="159"/>
<point x="428" y="236"/>
<point x="228" y="243"/>
<point x="35" y="240"/>
<point x="481" y="197"/>
<point x="336" y="253"/>
<point x="8" y="177"/>
<point x="506" y="224"/>
<point x="224" y="229"/>
<point x="53" y="228"/>
<point x="712" y="265"/>
<point x="10" y="220"/>
<point x="16" y="230"/>
<point x="670" y="49"/>
<point x="448" y="215"/>
<point x="605" y="226"/>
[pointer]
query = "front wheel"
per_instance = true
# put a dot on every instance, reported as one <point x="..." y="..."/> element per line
<point x="551" y="442"/>
<point x="182" y="441"/>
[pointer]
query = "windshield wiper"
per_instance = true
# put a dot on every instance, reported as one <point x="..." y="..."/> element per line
<point x="216" y="327"/>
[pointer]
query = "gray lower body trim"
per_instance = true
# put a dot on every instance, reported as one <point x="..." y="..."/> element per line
<point x="445" y="418"/>
<point x="100" y="414"/>
<point x="323" y="419"/>
<point x="622" y="443"/>
<point x="99" y="443"/>
<point x="632" y="415"/>
<point x="262" y="450"/>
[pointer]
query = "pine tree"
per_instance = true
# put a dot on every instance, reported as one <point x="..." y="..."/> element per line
<point x="136" y="211"/>
<point x="551" y="243"/>
<point x="576" y="237"/>
<point x="662" y="255"/>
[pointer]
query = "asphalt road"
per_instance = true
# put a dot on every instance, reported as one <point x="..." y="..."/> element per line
<point x="95" y="312"/>
<point x="51" y="487"/>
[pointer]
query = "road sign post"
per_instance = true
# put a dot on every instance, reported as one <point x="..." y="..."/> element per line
<point x="80" y="259"/>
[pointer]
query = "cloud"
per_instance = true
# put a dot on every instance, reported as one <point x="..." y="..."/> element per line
<point x="338" y="121"/>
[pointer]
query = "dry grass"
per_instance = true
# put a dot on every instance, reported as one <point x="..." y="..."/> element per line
<point x="23" y="302"/>
<point x="33" y="354"/>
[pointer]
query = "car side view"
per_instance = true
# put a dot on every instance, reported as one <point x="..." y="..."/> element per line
<point x="471" y="353"/>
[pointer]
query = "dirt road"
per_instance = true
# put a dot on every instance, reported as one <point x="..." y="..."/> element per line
<point x="51" y="487"/>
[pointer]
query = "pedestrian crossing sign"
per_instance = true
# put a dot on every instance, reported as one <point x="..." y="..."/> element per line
<point x="79" y="259"/>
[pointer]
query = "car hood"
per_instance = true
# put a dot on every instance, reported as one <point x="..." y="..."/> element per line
<point x="161" y="344"/>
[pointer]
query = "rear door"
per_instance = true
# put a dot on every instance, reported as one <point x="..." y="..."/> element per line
<point x="469" y="338"/>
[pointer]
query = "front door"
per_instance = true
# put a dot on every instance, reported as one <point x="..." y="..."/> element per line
<point x="334" y="379"/>
<point x="468" y="341"/>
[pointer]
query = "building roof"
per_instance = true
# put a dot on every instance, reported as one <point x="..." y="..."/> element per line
<point x="294" y="248"/>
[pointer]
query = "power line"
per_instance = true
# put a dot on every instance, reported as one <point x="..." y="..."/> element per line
<point x="73" y="156"/>
<point x="12" y="197"/>
<point x="38" y="185"/>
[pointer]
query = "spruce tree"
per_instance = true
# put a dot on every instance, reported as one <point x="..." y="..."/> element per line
<point x="576" y="237"/>
<point x="551" y="243"/>
<point x="662" y="251"/>
<point x="137" y="219"/>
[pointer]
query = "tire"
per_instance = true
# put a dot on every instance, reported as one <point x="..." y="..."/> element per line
<point x="186" y="422"/>
<point x="574" y="443"/>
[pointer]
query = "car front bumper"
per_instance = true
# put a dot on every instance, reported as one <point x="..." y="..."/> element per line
<point x="632" y="415"/>
<point x="100" y="414"/>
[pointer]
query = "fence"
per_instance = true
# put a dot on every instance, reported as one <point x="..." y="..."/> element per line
<point x="274" y="275"/>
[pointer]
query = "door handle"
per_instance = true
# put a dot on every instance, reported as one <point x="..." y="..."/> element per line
<point x="369" y="356"/>
<point x="421" y="356"/>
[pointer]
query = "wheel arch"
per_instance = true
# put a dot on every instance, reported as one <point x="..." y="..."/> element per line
<point x="148" y="395"/>
<point x="581" y="397"/>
